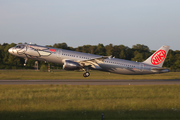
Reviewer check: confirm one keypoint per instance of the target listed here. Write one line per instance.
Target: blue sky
(80, 22)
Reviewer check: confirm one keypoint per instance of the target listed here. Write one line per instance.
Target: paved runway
(91, 82)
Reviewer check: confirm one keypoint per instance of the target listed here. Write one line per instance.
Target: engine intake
(70, 65)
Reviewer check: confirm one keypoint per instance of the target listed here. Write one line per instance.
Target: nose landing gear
(25, 61)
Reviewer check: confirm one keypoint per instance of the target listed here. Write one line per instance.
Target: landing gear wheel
(86, 74)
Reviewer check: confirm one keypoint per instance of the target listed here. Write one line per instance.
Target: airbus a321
(73, 60)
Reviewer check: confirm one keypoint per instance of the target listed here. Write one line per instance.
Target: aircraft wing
(93, 62)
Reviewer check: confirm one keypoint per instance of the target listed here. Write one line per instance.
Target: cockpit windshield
(19, 46)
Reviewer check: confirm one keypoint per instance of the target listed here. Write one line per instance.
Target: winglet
(158, 58)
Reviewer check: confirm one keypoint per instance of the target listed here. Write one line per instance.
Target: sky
(89, 22)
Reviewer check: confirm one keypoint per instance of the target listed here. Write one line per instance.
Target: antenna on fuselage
(110, 57)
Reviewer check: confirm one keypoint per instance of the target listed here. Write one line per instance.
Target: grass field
(86, 102)
(81, 102)
(34, 75)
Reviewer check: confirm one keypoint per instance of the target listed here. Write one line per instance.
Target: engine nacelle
(70, 65)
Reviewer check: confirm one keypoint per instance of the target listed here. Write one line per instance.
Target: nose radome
(10, 50)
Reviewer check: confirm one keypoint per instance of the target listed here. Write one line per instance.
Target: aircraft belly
(118, 69)
(124, 70)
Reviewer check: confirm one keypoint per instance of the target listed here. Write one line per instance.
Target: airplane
(73, 60)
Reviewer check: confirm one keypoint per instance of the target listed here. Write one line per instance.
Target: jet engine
(70, 65)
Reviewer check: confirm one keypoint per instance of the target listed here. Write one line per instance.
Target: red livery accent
(158, 57)
(53, 50)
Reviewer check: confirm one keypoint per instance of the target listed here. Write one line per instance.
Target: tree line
(137, 53)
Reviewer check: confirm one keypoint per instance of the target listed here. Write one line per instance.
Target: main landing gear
(86, 74)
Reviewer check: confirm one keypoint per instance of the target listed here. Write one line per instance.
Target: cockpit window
(19, 46)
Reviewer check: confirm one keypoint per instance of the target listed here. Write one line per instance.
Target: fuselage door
(59, 53)
(141, 67)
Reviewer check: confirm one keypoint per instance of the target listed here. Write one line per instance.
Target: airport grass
(88, 102)
(38, 75)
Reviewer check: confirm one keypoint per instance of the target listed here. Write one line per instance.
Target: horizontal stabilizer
(159, 68)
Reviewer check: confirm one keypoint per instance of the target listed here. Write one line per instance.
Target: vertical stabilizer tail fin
(158, 58)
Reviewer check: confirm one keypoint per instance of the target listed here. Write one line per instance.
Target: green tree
(100, 50)
(61, 45)
(116, 51)
(141, 48)
(141, 52)
(138, 57)
(109, 49)
(176, 65)
(43, 68)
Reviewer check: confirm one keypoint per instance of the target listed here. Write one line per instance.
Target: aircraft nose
(10, 50)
